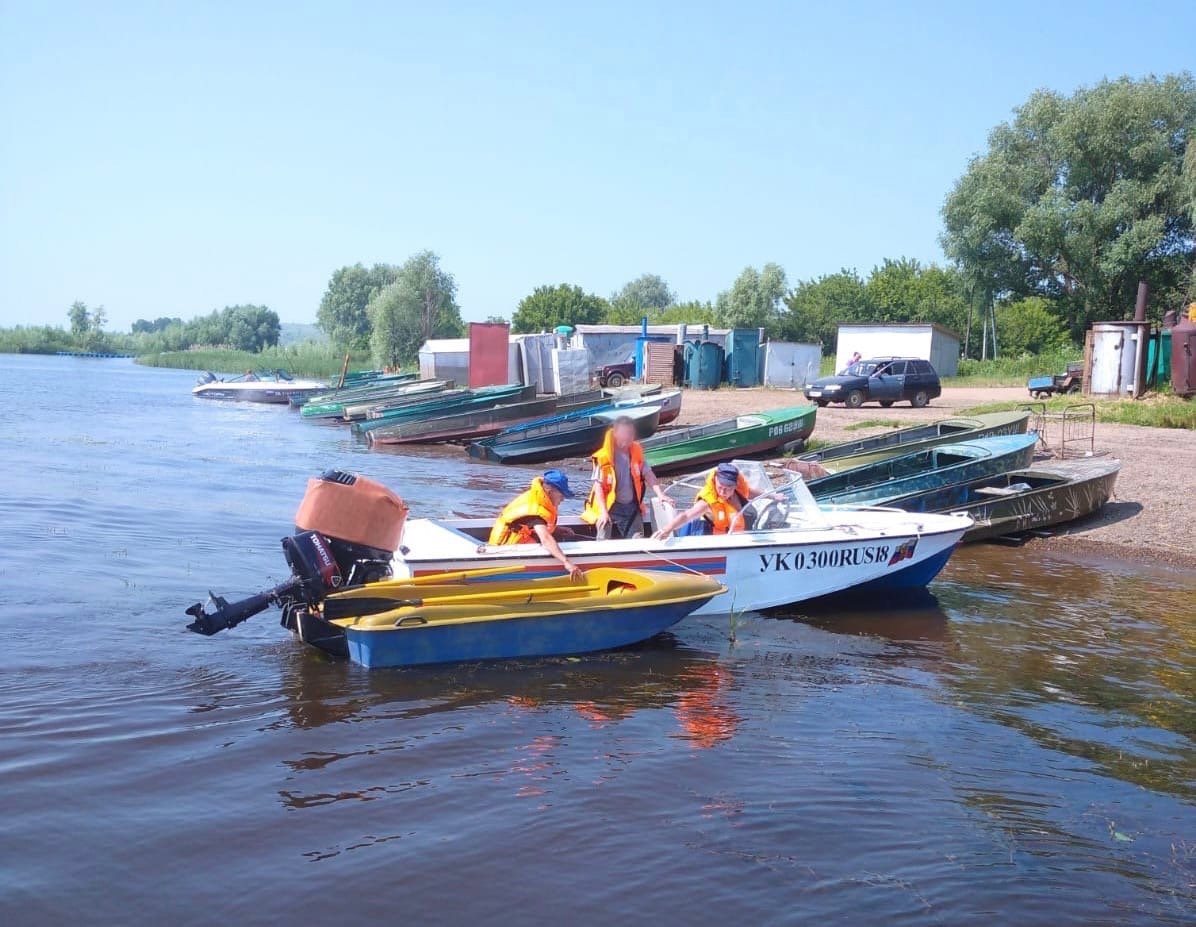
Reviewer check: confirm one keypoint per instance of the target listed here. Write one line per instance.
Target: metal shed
(926, 340)
(448, 359)
(789, 365)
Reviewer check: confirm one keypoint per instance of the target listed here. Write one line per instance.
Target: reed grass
(309, 359)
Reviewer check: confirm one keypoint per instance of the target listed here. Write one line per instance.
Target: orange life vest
(723, 515)
(604, 463)
(535, 503)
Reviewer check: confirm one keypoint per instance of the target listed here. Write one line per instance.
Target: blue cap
(727, 473)
(558, 481)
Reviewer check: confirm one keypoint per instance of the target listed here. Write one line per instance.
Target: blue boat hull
(912, 577)
(579, 632)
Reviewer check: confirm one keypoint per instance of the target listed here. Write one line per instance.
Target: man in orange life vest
(615, 506)
(720, 503)
(530, 518)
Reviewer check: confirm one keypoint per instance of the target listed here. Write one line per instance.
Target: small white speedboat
(796, 551)
(275, 388)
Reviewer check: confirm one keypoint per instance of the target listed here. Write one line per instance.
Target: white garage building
(926, 340)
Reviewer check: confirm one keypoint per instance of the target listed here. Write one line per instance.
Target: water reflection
(677, 691)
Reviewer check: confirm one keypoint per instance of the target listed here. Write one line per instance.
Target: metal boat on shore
(1045, 494)
(849, 454)
(557, 439)
(886, 481)
(742, 436)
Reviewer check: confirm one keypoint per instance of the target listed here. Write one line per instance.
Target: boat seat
(1015, 489)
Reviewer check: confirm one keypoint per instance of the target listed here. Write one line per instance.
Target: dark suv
(882, 379)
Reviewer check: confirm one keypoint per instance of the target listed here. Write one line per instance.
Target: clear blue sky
(171, 158)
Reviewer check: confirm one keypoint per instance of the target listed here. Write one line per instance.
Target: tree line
(242, 328)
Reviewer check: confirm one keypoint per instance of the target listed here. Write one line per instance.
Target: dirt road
(1152, 514)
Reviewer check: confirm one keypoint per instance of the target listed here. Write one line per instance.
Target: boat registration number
(788, 428)
(795, 560)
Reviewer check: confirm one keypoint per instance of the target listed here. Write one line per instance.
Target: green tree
(644, 294)
(814, 308)
(420, 305)
(80, 318)
(692, 313)
(1030, 326)
(1080, 197)
(343, 312)
(546, 307)
(905, 291)
(754, 299)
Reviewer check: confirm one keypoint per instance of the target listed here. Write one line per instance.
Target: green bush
(1030, 326)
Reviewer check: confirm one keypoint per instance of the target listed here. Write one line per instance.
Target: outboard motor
(348, 530)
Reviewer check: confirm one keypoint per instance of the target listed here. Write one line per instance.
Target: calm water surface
(1014, 747)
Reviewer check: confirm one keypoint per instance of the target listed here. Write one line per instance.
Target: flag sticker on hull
(904, 551)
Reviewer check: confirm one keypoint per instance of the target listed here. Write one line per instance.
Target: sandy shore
(1151, 516)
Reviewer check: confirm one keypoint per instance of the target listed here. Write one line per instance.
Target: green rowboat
(741, 436)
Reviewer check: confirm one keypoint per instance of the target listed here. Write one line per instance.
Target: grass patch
(309, 359)
(1011, 371)
(1165, 411)
(874, 423)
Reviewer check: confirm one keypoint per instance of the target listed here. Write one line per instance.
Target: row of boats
(874, 516)
(511, 424)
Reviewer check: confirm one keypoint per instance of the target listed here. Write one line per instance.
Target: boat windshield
(799, 505)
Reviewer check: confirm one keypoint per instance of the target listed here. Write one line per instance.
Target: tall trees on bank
(420, 304)
(1081, 196)
(343, 312)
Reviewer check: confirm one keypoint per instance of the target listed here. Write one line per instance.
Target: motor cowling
(348, 528)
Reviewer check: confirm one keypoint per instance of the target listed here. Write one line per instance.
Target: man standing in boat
(719, 505)
(531, 518)
(615, 506)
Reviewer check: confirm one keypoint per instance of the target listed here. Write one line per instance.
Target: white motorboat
(794, 552)
(275, 388)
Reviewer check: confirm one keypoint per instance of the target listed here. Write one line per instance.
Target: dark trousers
(626, 521)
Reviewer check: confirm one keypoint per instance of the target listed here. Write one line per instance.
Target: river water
(1016, 746)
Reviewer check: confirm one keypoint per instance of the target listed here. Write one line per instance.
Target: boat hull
(762, 433)
(886, 482)
(765, 569)
(1059, 493)
(852, 454)
(562, 439)
(269, 393)
(579, 632)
